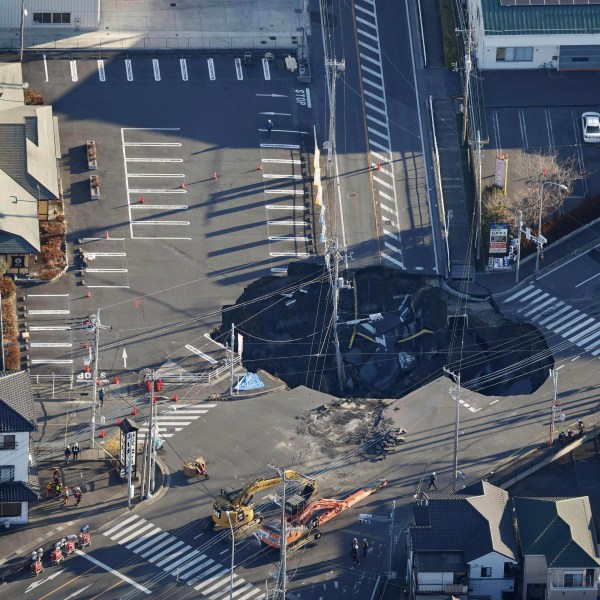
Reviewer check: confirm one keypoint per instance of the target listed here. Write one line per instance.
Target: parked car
(590, 125)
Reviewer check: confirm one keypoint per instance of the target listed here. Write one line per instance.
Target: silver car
(590, 126)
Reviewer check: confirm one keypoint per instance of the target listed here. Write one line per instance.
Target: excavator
(305, 516)
(234, 508)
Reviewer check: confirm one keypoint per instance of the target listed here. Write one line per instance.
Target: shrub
(33, 98)
(7, 287)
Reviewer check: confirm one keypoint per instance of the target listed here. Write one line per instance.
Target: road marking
(156, 69)
(281, 191)
(47, 295)
(93, 255)
(48, 312)
(141, 237)
(153, 144)
(50, 345)
(113, 572)
(273, 95)
(106, 270)
(211, 69)
(155, 160)
(42, 581)
(276, 254)
(285, 207)
(588, 279)
(184, 71)
(74, 76)
(109, 286)
(210, 359)
(370, 59)
(51, 328)
(308, 100)
(156, 191)
(273, 114)
(266, 70)
(46, 68)
(160, 206)
(282, 176)
(284, 161)
(178, 175)
(128, 69)
(101, 71)
(282, 146)
(282, 270)
(494, 401)
(160, 223)
(290, 223)
(44, 361)
(238, 69)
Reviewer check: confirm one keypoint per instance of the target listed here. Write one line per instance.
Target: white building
(524, 34)
(44, 15)
(19, 484)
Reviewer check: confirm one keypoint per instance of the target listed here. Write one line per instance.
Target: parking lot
(197, 198)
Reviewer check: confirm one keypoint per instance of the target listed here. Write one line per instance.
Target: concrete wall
(86, 11)
(535, 570)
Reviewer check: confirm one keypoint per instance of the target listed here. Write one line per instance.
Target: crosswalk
(557, 316)
(175, 419)
(209, 578)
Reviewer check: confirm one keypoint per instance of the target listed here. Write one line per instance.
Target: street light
(23, 15)
(232, 557)
(539, 235)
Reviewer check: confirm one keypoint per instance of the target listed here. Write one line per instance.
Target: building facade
(83, 15)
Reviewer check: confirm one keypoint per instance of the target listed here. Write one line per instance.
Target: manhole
(351, 195)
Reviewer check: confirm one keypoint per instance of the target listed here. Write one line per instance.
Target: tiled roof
(17, 491)
(539, 20)
(561, 529)
(476, 521)
(17, 409)
(437, 562)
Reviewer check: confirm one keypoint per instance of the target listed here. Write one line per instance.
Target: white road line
(588, 279)
(74, 76)
(169, 540)
(147, 537)
(187, 571)
(207, 572)
(141, 237)
(375, 108)
(286, 207)
(184, 71)
(282, 146)
(156, 69)
(173, 556)
(107, 254)
(540, 307)
(567, 307)
(372, 72)
(365, 22)
(157, 191)
(51, 328)
(381, 135)
(266, 70)
(50, 345)
(210, 359)
(178, 175)
(380, 146)
(278, 254)
(152, 144)
(47, 295)
(133, 535)
(308, 99)
(237, 581)
(211, 69)
(283, 238)
(368, 47)
(283, 161)
(393, 260)
(519, 294)
(172, 223)
(212, 579)
(290, 192)
(48, 312)
(238, 69)
(573, 329)
(217, 584)
(578, 338)
(570, 321)
(588, 339)
(282, 176)
(121, 524)
(158, 556)
(378, 122)
(113, 572)
(128, 69)
(287, 223)
(106, 270)
(160, 206)
(363, 9)
(155, 160)
(101, 71)
(367, 35)
(43, 361)
(122, 531)
(373, 60)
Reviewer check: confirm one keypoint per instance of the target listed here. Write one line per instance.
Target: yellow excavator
(234, 508)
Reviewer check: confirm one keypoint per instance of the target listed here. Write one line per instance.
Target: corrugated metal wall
(87, 11)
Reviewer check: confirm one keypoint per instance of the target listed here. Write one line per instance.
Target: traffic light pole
(95, 384)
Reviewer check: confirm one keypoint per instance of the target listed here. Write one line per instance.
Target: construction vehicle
(305, 517)
(234, 507)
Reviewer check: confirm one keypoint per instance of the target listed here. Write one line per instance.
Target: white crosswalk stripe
(175, 419)
(210, 579)
(559, 317)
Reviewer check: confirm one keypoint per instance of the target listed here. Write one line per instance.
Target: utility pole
(333, 68)
(282, 576)
(23, 13)
(456, 378)
(231, 365)
(152, 443)
(96, 374)
(232, 556)
(478, 232)
(554, 375)
(332, 253)
(467, 86)
(391, 538)
(520, 217)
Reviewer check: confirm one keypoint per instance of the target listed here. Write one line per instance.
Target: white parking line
(74, 76)
(50, 328)
(266, 70)
(155, 160)
(308, 100)
(290, 192)
(152, 144)
(44, 361)
(47, 295)
(285, 207)
(277, 254)
(156, 69)
(160, 206)
(290, 223)
(176, 223)
(178, 175)
(106, 270)
(211, 69)
(238, 69)
(286, 238)
(184, 71)
(284, 161)
(156, 191)
(128, 69)
(101, 71)
(48, 312)
(49, 345)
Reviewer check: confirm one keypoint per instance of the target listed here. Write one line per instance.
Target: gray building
(83, 15)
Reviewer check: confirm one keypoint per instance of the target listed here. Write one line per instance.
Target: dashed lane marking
(184, 70)
(128, 69)
(101, 71)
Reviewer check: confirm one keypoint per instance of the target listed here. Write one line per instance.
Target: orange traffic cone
(116, 380)
(86, 345)
(142, 200)
(260, 168)
(134, 411)
(183, 185)
(153, 398)
(174, 397)
(102, 433)
(87, 368)
(88, 294)
(379, 166)
(215, 176)
(118, 421)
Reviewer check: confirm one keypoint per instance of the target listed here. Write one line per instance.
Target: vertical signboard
(498, 238)
(501, 174)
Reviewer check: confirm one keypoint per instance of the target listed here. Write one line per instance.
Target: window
(52, 18)
(573, 579)
(10, 509)
(514, 54)
(486, 571)
(42, 17)
(7, 442)
(7, 474)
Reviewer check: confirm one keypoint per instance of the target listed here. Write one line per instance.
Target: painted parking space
(104, 263)
(49, 329)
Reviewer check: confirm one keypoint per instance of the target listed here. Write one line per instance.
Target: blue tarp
(250, 381)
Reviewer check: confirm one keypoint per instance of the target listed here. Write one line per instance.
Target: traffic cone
(183, 185)
(118, 421)
(98, 382)
(260, 168)
(142, 200)
(106, 235)
(116, 380)
(379, 166)
(88, 294)
(86, 345)
(102, 433)
(87, 368)
(215, 176)
(174, 397)
(153, 398)
(134, 411)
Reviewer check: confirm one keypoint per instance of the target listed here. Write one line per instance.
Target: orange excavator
(304, 517)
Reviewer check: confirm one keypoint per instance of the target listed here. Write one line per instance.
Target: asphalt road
(186, 218)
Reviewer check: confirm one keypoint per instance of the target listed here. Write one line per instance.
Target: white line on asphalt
(285, 207)
(373, 60)
(519, 293)
(273, 95)
(365, 45)
(143, 237)
(47, 295)
(156, 191)
(238, 69)
(48, 312)
(153, 144)
(365, 22)
(44, 361)
(284, 161)
(210, 359)
(180, 175)
(50, 345)
(267, 112)
(127, 190)
(113, 572)
(281, 176)
(266, 70)
(156, 69)
(283, 146)
(51, 328)
(276, 254)
(151, 128)
(381, 135)
(112, 239)
(110, 286)
(373, 107)
(378, 121)
(101, 71)
(588, 279)
(308, 100)
(393, 260)
(106, 270)
(211, 69)
(74, 76)
(93, 255)
(289, 223)
(46, 68)
(287, 131)
(160, 206)
(160, 222)
(290, 192)
(155, 160)
(184, 71)
(128, 69)
(282, 270)
(284, 238)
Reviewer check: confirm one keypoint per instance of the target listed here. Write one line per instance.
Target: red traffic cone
(183, 185)
(88, 294)
(116, 380)
(102, 433)
(260, 168)
(379, 166)
(174, 397)
(215, 176)
(118, 421)
(153, 398)
(134, 411)
(142, 200)
(106, 235)
(86, 345)
(87, 368)
(98, 382)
